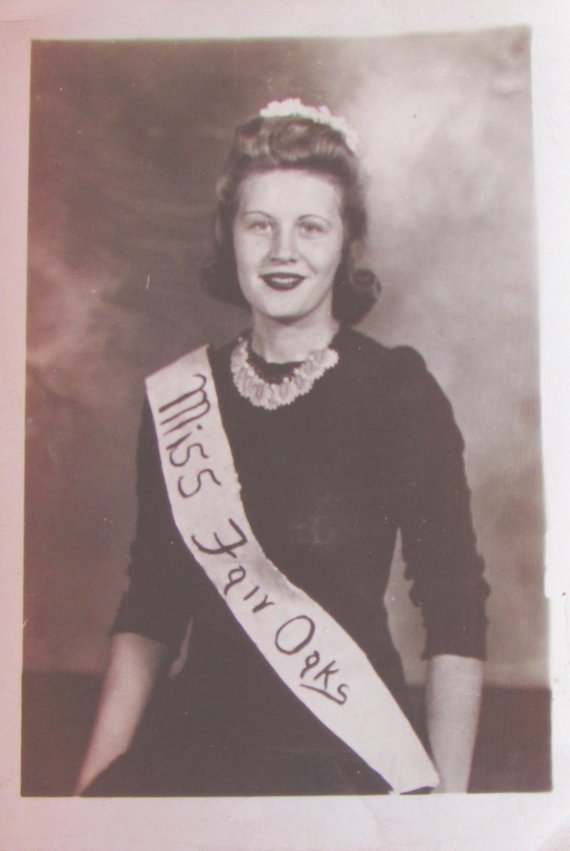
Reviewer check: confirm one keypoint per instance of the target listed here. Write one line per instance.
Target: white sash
(307, 648)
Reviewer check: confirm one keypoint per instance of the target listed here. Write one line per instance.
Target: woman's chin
(305, 320)
(293, 314)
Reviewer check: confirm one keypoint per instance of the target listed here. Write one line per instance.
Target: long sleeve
(163, 578)
(438, 541)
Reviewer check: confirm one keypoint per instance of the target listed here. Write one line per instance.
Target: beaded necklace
(297, 380)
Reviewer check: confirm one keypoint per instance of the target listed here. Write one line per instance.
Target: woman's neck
(276, 342)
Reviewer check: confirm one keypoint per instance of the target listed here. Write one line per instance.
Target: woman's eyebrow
(316, 216)
(256, 213)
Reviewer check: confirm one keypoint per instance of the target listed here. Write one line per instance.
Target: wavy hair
(293, 142)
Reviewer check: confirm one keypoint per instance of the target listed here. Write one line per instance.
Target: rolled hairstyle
(293, 142)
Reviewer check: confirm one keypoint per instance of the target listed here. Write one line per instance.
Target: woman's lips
(282, 280)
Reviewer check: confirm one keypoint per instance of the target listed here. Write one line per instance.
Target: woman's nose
(284, 245)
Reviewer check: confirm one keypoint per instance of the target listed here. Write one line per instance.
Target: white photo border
(506, 821)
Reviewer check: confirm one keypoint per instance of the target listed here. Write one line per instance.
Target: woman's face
(288, 240)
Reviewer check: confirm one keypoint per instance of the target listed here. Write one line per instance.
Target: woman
(336, 443)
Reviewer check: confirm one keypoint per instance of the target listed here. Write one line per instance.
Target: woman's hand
(454, 686)
(134, 667)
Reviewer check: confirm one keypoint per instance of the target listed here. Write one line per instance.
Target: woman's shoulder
(217, 353)
(399, 376)
(390, 361)
(220, 352)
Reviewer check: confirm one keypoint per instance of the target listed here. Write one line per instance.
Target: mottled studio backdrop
(126, 141)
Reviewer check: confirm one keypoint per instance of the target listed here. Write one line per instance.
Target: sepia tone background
(126, 142)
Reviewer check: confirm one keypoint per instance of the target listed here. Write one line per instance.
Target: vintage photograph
(284, 520)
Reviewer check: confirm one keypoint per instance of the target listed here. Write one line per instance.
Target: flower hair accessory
(318, 114)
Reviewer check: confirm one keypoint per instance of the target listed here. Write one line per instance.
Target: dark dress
(327, 483)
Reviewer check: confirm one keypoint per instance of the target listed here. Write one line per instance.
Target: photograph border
(489, 821)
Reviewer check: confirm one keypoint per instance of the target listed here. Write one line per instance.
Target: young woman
(323, 444)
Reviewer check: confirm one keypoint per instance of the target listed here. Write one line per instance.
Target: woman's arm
(439, 548)
(134, 666)
(454, 686)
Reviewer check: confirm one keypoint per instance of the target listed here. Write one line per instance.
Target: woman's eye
(259, 225)
(312, 228)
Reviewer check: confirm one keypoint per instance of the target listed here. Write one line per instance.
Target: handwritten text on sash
(187, 450)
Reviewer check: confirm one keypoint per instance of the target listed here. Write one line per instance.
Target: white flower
(318, 114)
